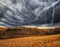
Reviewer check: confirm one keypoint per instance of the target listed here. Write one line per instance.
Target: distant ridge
(38, 27)
(27, 31)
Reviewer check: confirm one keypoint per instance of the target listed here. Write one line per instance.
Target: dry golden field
(29, 37)
(25, 32)
(36, 41)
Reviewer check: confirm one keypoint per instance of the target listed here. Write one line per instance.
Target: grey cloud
(15, 13)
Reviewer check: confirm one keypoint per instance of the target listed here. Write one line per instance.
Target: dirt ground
(32, 41)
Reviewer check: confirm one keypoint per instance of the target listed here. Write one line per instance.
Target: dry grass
(3, 29)
(37, 41)
(30, 37)
(23, 31)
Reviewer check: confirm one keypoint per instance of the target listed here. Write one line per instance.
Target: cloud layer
(15, 13)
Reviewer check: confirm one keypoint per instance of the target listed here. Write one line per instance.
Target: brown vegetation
(29, 37)
(3, 29)
(23, 31)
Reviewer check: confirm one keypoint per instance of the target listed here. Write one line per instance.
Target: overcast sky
(15, 13)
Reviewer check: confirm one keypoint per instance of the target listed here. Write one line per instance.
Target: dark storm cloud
(26, 12)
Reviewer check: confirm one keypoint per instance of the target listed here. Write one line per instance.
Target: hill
(24, 31)
(29, 37)
(37, 41)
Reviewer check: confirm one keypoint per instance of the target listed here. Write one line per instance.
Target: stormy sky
(15, 13)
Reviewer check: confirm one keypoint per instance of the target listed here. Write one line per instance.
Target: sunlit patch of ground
(36, 41)
(29, 37)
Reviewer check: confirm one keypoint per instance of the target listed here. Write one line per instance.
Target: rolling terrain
(37, 41)
(29, 37)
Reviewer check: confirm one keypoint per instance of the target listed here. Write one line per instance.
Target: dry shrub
(23, 31)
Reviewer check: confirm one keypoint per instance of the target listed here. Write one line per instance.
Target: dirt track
(36, 41)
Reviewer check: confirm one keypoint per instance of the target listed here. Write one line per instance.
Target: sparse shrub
(23, 31)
